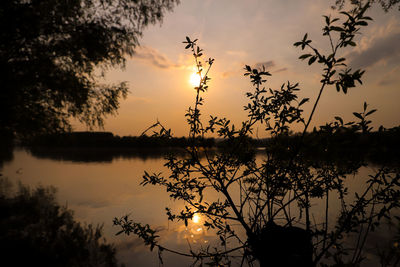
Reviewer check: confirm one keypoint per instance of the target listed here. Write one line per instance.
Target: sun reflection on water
(195, 232)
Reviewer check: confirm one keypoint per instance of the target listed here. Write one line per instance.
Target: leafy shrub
(264, 211)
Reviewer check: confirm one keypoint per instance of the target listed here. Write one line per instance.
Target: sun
(194, 79)
(196, 218)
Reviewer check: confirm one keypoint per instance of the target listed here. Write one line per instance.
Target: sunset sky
(252, 32)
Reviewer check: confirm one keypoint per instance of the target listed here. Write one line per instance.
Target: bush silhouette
(264, 210)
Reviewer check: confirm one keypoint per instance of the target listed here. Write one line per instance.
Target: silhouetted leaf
(362, 23)
(304, 100)
(327, 20)
(337, 29)
(358, 115)
(312, 60)
(370, 112)
(305, 56)
(339, 119)
(337, 87)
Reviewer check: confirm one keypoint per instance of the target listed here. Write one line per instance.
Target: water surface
(99, 186)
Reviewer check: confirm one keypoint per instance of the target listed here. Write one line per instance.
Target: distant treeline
(377, 146)
(346, 142)
(109, 140)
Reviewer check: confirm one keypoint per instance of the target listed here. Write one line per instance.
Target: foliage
(36, 231)
(52, 54)
(265, 208)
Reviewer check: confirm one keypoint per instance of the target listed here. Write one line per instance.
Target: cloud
(270, 65)
(267, 64)
(236, 53)
(390, 77)
(154, 58)
(281, 70)
(227, 74)
(381, 51)
(94, 204)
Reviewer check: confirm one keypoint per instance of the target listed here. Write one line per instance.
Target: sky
(253, 32)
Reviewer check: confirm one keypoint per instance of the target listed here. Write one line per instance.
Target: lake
(99, 186)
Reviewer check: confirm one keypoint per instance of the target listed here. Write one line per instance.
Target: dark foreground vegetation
(36, 231)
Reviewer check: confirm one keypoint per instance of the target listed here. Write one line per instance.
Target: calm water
(101, 188)
(98, 188)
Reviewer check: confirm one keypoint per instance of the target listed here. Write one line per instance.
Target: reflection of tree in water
(36, 231)
(104, 155)
(6, 149)
(104, 146)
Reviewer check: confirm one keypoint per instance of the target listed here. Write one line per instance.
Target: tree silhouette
(53, 52)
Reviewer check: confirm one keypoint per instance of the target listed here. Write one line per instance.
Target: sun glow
(194, 79)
